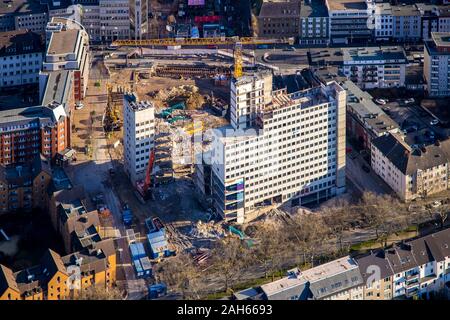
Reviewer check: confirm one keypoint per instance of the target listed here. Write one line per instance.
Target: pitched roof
(280, 9)
(53, 262)
(7, 280)
(409, 160)
(20, 42)
(401, 257)
(378, 259)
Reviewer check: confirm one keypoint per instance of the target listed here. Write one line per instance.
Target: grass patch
(97, 84)
(365, 245)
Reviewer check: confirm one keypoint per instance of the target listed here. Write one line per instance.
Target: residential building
(24, 186)
(279, 19)
(383, 30)
(377, 275)
(365, 120)
(280, 148)
(28, 15)
(336, 280)
(406, 23)
(27, 132)
(314, 23)
(436, 67)
(68, 49)
(59, 278)
(21, 55)
(351, 21)
(138, 137)
(417, 268)
(375, 67)
(411, 172)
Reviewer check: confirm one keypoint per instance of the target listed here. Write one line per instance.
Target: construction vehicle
(143, 186)
(112, 116)
(236, 42)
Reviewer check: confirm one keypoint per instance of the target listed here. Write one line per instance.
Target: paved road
(362, 180)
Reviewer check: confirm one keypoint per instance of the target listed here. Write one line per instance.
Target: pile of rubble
(207, 230)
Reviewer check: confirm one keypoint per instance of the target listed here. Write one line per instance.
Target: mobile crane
(143, 186)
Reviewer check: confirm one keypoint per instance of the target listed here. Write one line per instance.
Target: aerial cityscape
(233, 150)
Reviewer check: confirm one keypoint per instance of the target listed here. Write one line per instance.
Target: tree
(97, 292)
(268, 252)
(229, 259)
(180, 274)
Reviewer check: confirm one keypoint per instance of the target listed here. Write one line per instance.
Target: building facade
(138, 138)
(23, 15)
(406, 23)
(21, 56)
(436, 65)
(373, 67)
(253, 164)
(350, 21)
(279, 19)
(383, 30)
(314, 23)
(410, 172)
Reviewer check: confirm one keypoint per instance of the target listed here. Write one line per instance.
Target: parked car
(434, 122)
(409, 101)
(381, 101)
(79, 106)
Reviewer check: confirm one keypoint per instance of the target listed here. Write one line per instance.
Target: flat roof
(346, 4)
(405, 10)
(63, 42)
(313, 8)
(56, 87)
(441, 39)
(374, 53)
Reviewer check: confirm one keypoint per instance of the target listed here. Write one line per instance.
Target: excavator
(143, 186)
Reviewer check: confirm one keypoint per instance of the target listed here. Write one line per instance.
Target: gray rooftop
(374, 53)
(405, 10)
(57, 87)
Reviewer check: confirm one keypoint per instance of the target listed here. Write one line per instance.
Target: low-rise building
(279, 19)
(21, 55)
(138, 138)
(59, 278)
(375, 67)
(436, 66)
(336, 280)
(314, 23)
(411, 172)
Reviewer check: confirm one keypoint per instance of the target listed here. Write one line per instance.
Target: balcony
(412, 284)
(412, 276)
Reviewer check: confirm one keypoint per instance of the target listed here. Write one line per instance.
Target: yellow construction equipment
(194, 127)
(201, 41)
(237, 42)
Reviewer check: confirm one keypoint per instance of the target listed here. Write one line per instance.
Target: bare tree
(230, 256)
(98, 292)
(180, 274)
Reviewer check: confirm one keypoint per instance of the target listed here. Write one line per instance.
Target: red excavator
(143, 186)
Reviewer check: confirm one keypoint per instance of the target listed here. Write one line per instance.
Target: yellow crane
(236, 42)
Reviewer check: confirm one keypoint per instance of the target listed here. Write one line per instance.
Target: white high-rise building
(138, 135)
(280, 148)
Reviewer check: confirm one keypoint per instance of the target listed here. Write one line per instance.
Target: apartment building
(406, 23)
(138, 138)
(351, 21)
(411, 172)
(24, 186)
(279, 19)
(59, 278)
(337, 280)
(436, 67)
(373, 67)
(21, 55)
(280, 148)
(365, 120)
(68, 49)
(383, 30)
(314, 23)
(377, 275)
(417, 268)
(23, 15)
